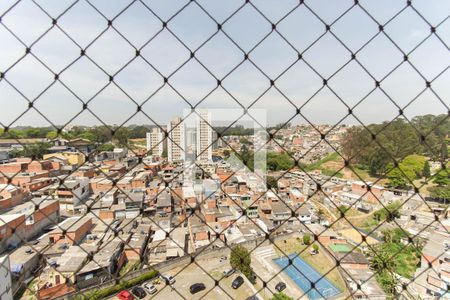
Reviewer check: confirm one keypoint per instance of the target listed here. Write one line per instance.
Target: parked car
(125, 295)
(197, 287)
(228, 273)
(237, 282)
(252, 278)
(150, 288)
(280, 286)
(168, 279)
(254, 297)
(138, 292)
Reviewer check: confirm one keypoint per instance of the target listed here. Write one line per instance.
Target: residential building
(73, 158)
(5, 282)
(27, 220)
(204, 136)
(71, 231)
(433, 277)
(176, 140)
(71, 192)
(155, 140)
(11, 195)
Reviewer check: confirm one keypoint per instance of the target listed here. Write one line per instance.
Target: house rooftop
(352, 258)
(70, 224)
(73, 258)
(164, 199)
(102, 258)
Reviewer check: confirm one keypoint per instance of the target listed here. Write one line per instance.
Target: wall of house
(13, 167)
(430, 259)
(10, 202)
(72, 237)
(132, 254)
(106, 214)
(7, 236)
(73, 158)
(354, 266)
(42, 218)
(55, 291)
(37, 185)
(5, 282)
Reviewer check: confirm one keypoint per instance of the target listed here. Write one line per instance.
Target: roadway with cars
(194, 274)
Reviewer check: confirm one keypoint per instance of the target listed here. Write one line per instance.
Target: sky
(298, 83)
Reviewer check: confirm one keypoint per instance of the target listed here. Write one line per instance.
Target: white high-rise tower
(175, 143)
(204, 136)
(155, 140)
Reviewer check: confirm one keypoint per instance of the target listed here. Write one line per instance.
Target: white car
(150, 288)
(168, 279)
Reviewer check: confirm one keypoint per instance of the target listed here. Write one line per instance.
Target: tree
(389, 212)
(320, 214)
(226, 153)
(378, 163)
(88, 135)
(34, 151)
(343, 209)
(442, 177)
(440, 192)
(247, 157)
(315, 248)
(240, 260)
(415, 163)
(444, 151)
(281, 296)
(51, 135)
(380, 259)
(306, 239)
(279, 161)
(138, 132)
(244, 141)
(426, 172)
(387, 281)
(122, 135)
(271, 182)
(102, 134)
(400, 177)
(375, 145)
(106, 147)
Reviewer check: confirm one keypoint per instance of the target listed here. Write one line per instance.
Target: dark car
(138, 292)
(252, 278)
(280, 286)
(197, 287)
(237, 282)
(254, 297)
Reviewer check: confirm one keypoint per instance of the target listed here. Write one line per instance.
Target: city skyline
(220, 55)
(238, 149)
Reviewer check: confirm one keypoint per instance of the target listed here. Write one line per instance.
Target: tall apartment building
(155, 140)
(204, 136)
(176, 140)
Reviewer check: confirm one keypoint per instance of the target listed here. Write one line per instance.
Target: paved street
(193, 274)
